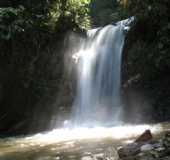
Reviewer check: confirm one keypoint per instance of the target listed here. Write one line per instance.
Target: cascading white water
(98, 100)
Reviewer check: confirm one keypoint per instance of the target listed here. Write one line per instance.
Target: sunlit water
(71, 143)
(98, 60)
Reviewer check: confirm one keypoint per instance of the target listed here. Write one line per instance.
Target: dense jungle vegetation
(32, 41)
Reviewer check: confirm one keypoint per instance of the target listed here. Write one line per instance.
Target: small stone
(99, 156)
(146, 147)
(160, 149)
(158, 144)
(111, 154)
(87, 158)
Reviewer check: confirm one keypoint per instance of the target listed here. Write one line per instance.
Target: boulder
(129, 150)
(145, 149)
(144, 137)
(141, 143)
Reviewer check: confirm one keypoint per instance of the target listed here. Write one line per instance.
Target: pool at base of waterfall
(76, 143)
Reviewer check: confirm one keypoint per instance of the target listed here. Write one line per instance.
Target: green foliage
(10, 21)
(49, 15)
(74, 11)
(80, 10)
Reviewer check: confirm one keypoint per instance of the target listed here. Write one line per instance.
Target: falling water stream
(98, 100)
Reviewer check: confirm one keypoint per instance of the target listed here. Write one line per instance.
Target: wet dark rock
(129, 150)
(140, 143)
(166, 139)
(147, 150)
(145, 157)
(146, 136)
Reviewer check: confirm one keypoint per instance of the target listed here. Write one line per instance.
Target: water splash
(98, 100)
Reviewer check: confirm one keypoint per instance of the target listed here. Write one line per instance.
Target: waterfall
(98, 99)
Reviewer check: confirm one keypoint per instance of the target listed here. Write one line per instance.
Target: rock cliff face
(33, 85)
(144, 79)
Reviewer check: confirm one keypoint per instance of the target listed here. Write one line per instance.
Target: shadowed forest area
(37, 84)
